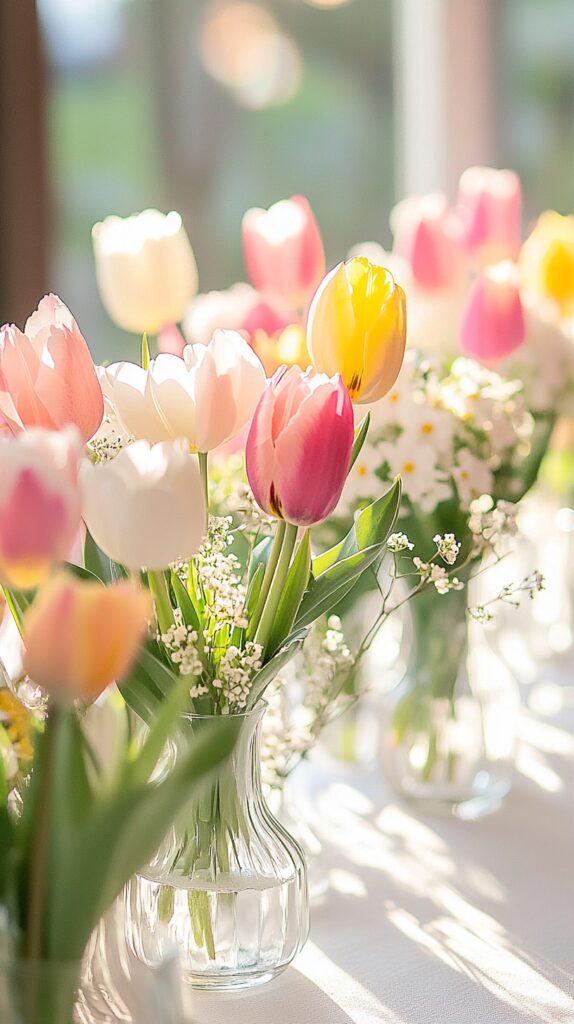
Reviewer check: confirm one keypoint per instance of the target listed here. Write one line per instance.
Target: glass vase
(108, 986)
(449, 727)
(229, 883)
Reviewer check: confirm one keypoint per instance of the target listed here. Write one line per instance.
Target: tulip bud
(145, 268)
(39, 504)
(547, 261)
(81, 636)
(299, 445)
(357, 327)
(490, 204)
(47, 377)
(145, 508)
(283, 250)
(207, 396)
(287, 348)
(493, 323)
(427, 235)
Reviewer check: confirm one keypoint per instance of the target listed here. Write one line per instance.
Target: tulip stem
(163, 608)
(39, 848)
(202, 456)
(268, 577)
(289, 540)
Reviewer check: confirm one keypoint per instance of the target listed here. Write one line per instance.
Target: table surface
(437, 921)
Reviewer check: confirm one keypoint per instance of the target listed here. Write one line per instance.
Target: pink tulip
(299, 445)
(283, 250)
(493, 322)
(267, 317)
(39, 503)
(171, 340)
(490, 204)
(427, 235)
(47, 377)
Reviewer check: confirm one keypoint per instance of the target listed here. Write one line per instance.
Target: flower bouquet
(232, 602)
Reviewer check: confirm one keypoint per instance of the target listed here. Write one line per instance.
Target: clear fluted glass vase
(229, 883)
(449, 727)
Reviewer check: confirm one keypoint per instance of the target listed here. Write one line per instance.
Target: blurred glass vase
(449, 727)
(229, 883)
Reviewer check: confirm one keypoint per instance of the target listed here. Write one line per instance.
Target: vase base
(231, 982)
(470, 808)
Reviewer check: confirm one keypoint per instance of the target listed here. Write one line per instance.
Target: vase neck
(439, 640)
(244, 762)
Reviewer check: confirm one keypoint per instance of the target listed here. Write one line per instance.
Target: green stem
(40, 842)
(268, 577)
(202, 456)
(276, 589)
(164, 611)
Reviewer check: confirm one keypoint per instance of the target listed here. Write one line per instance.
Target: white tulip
(145, 508)
(145, 268)
(206, 397)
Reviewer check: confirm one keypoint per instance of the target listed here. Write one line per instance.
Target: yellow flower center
(362, 470)
(408, 467)
(426, 428)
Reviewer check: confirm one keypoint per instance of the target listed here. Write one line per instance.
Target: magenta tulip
(493, 321)
(283, 250)
(490, 205)
(299, 445)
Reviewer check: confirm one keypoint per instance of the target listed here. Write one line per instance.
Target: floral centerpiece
(232, 602)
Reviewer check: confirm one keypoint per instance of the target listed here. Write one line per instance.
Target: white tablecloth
(436, 921)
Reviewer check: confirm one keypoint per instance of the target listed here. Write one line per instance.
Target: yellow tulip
(357, 327)
(81, 636)
(547, 261)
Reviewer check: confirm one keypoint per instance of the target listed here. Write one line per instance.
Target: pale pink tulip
(47, 377)
(39, 503)
(81, 636)
(490, 205)
(299, 445)
(206, 397)
(427, 234)
(283, 250)
(493, 323)
(171, 340)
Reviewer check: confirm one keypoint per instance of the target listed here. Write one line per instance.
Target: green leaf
(145, 352)
(147, 685)
(295, 587)
(286, 652)
(141, 766)
(95, 560)
(254, 590)
(372, 526)
(185, 603)
(82, 574)
(360, 438)
(329, 588)
(260, 555)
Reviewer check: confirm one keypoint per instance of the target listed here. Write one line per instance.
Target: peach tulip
(145, 508)
(206, 397)
(299, 445)
(47, 377)
(357, 327)
(81, 636)
(283, 250)
(490, 204)
(427, 235)
(493, 323)
(39, 503)
(145, 268)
